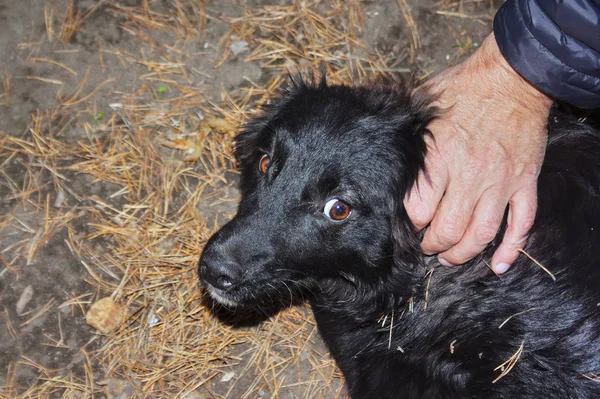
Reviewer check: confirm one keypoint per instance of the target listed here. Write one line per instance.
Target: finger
(422, 200)
(521, 214)
(451, 219)
(482, 229)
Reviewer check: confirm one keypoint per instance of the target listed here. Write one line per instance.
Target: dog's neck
(367, 301)
(408, 287)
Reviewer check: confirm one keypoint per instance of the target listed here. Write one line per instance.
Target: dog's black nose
(220, 274)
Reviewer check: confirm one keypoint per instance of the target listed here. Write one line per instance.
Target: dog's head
(323, 175)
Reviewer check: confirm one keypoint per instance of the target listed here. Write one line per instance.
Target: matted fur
(441, 337)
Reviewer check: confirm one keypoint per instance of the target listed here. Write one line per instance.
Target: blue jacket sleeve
(555, 45)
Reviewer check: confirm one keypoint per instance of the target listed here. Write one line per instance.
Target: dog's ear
(406, 244)
(253, 134)
(413, 149)
(248, 139)
(256, 132)
(411, 140)
(421, 109)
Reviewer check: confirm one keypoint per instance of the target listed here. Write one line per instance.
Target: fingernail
(501, 268)
(444, 262)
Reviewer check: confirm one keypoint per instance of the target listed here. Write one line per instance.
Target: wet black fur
(365, 146)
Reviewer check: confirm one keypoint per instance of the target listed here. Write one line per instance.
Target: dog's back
(396, 325)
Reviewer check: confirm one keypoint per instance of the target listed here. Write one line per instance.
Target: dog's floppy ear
(406, 244)
(250, 136)
(412, 147)
(408, 266)
(411, 140)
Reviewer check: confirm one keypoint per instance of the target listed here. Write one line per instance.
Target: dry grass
(508, 365)
(592, 377)
(538, 264)
(296, 38)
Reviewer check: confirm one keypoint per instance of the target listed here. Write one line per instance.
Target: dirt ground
(65, 70)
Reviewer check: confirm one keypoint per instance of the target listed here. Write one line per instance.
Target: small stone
(153, 319)
(117, 389)
(24, 299)
(105, 315)
(227, 376)
(238, 47)
(60, 197)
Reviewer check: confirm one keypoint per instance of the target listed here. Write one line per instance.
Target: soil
(55, 275)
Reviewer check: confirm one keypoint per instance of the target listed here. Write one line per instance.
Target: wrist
(530, 96)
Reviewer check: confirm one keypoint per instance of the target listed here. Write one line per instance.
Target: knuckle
(486, 232)
(461, 253)
(524, 224)
(420, 214)
(449, 233)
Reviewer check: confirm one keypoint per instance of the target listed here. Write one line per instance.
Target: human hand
(486, 153)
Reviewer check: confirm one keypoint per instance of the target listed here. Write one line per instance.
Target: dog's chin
(220, 297)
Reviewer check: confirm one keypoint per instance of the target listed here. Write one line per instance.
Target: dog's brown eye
(337, 210)
(264, 164)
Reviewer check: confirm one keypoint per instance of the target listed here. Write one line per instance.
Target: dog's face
(322, 183)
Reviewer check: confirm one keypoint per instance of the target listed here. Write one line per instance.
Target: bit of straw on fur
(538, 263)
(508, 365)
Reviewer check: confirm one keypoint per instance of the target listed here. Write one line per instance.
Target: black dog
(323, 174)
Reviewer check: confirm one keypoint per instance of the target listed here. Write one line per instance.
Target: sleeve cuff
(537, 64)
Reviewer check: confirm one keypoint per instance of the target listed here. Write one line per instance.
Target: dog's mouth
(220, 296)
(250, 293)
(236, 296)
